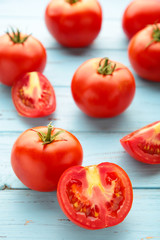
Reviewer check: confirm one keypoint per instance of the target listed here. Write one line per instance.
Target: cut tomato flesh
(33, 95)
(144, 144)
(98, 198)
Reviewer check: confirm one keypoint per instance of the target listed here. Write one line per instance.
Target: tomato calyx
(16, 37)
(48, 138)
(72, 1)
(107, 68)
(155, 35)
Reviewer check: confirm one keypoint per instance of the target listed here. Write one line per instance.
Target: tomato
(40, 155)
(95, 197)
(74, 23)
(139, 14)
(103, 88)
(144, 53)
(144, 144)
(33, 95)
(19, 54)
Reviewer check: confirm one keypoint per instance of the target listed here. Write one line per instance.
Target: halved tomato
(33, 95)
(95, 197)
(144, 143)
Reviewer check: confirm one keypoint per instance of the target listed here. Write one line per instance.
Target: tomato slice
(33, 95)
(144, 144)
(95, 197)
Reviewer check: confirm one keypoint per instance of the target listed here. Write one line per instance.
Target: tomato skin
(98, 190)
(139, 14)
(33, 95)
(100, 95)
(39, 166)
(143, 144)
(145, 59)
(74, 25)
(17, 58)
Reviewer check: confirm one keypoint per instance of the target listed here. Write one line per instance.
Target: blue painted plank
(29, 20)
(33, 215)
(26, 214)
(36, 8)
(142, 111)
(103, 41)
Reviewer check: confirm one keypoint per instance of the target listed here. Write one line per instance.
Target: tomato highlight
(96, 196)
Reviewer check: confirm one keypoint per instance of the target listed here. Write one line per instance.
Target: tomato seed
(80, 202)
(117, 198)
(146, 148)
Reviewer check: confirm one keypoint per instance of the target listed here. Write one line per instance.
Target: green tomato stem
(16, 37)
(155, 35)
(106, 68)
(72, 1)
(48, 138)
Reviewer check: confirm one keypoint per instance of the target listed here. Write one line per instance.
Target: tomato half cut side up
(33, 95)
(144, 144)
(96, 196)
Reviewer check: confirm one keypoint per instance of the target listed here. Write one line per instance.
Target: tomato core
(113, 196)
(33, 94)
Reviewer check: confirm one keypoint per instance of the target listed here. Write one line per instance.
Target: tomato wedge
(33, 95)
(144, 143)
(95, 197)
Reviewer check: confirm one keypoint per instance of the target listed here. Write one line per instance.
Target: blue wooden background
(25, 214)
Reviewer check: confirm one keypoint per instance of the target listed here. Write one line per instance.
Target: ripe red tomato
(144, 53)
(40, 155)
(95, 197)
(19, 54)
(74, 23)
(33, 95)
(103, 88)
(144, 144)
(139, 14)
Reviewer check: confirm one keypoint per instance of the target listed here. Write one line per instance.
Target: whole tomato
(95, 197)
(103, 88)
(144, 143)
(41, 154)
(19, 53)
(139, 14)
(33, 95)
(74, 23)
(144, 53)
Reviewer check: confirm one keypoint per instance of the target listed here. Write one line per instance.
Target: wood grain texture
(34, 215)
(142, 111)
(25, 214)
